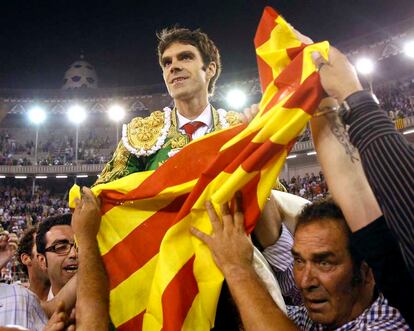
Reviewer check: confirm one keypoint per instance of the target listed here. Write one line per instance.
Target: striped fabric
(387, 158)
(19, 306)
(279, 255)
(160, 276)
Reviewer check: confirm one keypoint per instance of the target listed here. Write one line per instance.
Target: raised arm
(386, 156)
(342, 168)
(92, 306)
(232, 251)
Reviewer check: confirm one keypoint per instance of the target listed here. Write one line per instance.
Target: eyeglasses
(61, 247)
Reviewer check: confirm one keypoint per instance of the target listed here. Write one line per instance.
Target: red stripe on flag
(286, 82)
(141, 245)
(134, 324)
(265, 73)
(266, 25)
(110, 199)
(250, 204)
(178, 297)
(295, 51)
(261, 156)
(308, 95)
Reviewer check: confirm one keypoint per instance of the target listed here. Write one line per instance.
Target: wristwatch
(354, 100)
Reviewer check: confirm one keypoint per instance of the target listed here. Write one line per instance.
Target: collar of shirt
(50, 295)
(380, 314)
(206, 117)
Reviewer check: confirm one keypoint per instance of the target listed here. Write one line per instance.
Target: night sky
(40, 39)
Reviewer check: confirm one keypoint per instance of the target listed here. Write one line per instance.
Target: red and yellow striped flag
(161, 277)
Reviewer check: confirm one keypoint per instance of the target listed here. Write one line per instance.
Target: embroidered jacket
(147, 142)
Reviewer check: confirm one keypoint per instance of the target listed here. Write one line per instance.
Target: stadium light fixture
(409, 48)
(292, 156)
(37, 115)
(311, 153)
(236, 98)
(81, 176)
(2, 176)
(116, 113)
(61, 176)
(20, 177)
(41, 177)
(76, 114)
(365, 66)
(408, 131)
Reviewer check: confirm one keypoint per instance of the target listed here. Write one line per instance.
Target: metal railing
(58, 169)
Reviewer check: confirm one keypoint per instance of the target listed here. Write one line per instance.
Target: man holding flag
(167, 276)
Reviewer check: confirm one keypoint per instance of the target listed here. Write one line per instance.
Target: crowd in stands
(55, 150)
(397, 99)
(311, 187)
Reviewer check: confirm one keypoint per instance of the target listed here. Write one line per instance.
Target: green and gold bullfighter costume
(147, 142)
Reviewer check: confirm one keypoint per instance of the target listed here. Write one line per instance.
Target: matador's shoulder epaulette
(233, 118)
(145, 135)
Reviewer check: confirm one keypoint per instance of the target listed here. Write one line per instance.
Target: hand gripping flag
(161, 277)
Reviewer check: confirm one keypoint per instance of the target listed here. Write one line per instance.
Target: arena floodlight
(41, 177)
(116, 113)
(61, 176)
(365, 66)
(410, 131)
(292, 156)
(236, 98)
(311, 153)
(409, 48)
(20, 177)
(76, 114)
(2, 176)
(37, 115)
(81, 176)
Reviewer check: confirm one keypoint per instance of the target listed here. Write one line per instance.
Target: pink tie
(192, 127)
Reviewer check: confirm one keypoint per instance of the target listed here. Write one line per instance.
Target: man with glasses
(58, 254)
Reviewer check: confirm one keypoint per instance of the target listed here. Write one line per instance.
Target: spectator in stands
(57, 251)
(27, 255)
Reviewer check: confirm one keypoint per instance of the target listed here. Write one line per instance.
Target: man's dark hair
(326, 210)
(208, 50)
(25, 246)
(46, 225)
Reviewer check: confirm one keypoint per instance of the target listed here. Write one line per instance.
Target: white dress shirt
(206, 117)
